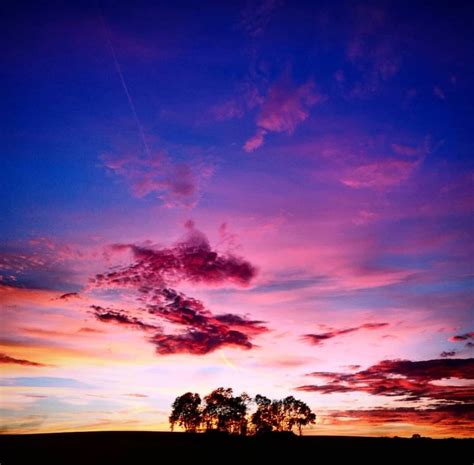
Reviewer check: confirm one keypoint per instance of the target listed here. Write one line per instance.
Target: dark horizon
(137, 446)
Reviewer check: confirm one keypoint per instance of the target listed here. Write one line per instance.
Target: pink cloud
(286, 107)
(283, 109)
(380, 174)
(255, 141)
(176, 184)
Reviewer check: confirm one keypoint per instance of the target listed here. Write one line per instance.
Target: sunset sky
(271, 196)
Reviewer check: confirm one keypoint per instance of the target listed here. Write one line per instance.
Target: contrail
(124, 84)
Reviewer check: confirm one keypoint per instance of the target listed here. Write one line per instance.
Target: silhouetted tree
(215, 412)
(186, 412)
(263, 418)
(281, 415)
(226, 413)
(238, 411)
(296, 413)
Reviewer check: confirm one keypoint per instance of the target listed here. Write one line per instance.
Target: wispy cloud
(380, 174)
(174, 183)
(372, 50)
(318, 339)
(6, 359)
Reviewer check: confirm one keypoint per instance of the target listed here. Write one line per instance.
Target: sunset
(272, 197)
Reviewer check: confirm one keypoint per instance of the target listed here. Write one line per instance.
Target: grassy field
(154, 448)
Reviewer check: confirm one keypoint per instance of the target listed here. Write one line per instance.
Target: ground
(151, 447)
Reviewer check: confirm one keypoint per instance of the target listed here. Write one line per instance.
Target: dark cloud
(120, 317)
(6, 359)
(407, 379)
(200, 342)
(430, 369)
(238, 322)
(205, 332)
(353, 367)
(447, 354)
(462, 337)
(192, 260)
(178, 308)
(89, 330)
(318, 339)
(69, 295)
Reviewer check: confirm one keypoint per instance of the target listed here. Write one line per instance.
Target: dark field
(149, 447)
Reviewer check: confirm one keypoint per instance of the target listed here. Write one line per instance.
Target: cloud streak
(380, 174)
(403, 378)
(6, 359)
(318, 339)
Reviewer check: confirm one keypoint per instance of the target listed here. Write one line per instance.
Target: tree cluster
(222, 411)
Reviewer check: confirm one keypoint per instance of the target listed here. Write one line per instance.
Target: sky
(271, 196)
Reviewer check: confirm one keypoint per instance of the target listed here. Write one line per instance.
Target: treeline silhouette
(223, 412)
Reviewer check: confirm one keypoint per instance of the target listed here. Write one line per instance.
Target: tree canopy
(222, 411)
(186, 412)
